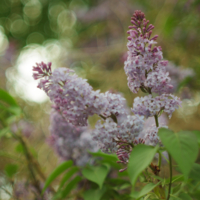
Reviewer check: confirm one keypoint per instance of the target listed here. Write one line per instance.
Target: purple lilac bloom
(25, 190)
(149, 106)
(75, 97)
(109, 134)
(117, 132)
(69, 141)
(144, 66)
(23, 127)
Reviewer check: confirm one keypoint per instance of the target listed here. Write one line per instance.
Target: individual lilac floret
(109, 134)
(70, 142)
(149, 106)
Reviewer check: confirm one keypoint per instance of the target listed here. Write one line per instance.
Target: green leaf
(70, 186)
(105, 156)
(94, 194)
(140, 158)
(184, 196)
(19, 148)
(60, 169)
(177, 178)
(14, 110)
(11, 169)
(4, 131)
(68, 175)
(177, 188)
(197, 133)
(182, 146)
(145, 190)
(195, 172)
(7, 98)
(96, 174)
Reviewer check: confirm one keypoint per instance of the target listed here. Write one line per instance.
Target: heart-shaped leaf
(197, 133)
(182, 146)
(96, 174)
(140, 158)
(195, 172)
(94, 194)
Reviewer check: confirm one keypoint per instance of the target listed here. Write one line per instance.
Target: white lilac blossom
(109, 134)
(148, 106)
(69, 141)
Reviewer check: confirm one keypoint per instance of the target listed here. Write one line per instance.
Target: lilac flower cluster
(69, 141)
(149, 106)
(75, 97)
(118, 131)
(146, 70)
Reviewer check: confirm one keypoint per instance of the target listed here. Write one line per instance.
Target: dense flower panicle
(109, 134)
(69, 141)
(144, 67)
(76, 99)
(148, 106)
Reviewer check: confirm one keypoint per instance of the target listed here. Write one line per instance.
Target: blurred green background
(90, 37)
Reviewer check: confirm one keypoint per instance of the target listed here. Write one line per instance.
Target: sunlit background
(90, 37)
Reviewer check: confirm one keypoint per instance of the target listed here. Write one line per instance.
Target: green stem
(159, 159)
(170, 180)
(156, 120)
